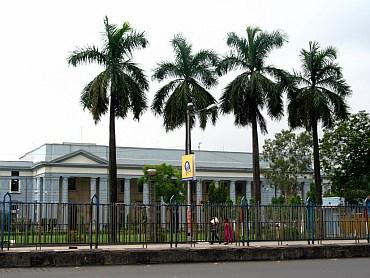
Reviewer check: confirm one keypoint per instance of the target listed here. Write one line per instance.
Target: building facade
(73, 173)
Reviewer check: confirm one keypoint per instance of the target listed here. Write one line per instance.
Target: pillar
(64, 206)
(199, 200)
(127, 192)
(232, 192)
(145, 194)
(92, 187)
(217, 184)
(127, 197)
(248, 190)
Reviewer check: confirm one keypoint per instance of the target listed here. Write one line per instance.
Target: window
(14, 182)
(14, 185)
(140, 188)
(71, 184)
(15, 173)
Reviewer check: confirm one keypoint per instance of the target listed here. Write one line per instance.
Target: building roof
(133, 156)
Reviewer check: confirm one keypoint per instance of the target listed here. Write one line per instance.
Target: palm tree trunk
(316, 164)
(112, 156)
(256, 162)
(112, 171)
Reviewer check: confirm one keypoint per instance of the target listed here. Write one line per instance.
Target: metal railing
(94, 224)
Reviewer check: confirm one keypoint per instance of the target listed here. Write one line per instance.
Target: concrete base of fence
(179, 255)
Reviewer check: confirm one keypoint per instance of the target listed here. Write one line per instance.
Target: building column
(64, 206)
(199, 199)
(217, 184)
(248, 190)
(127, 192)
(145, 193)
(127, 198)
(232, 192)
(92, 187)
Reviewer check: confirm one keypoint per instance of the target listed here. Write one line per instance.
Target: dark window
(71, 184)
(14, 185)
(140, 188)
(122, 185)
(15, 173)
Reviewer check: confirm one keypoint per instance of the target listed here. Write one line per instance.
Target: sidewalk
(198, 245)
(184, 253)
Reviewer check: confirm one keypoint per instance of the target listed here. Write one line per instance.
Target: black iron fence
(94, 224)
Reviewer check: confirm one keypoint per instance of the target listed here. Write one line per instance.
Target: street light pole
(189, 112)
(189, 109)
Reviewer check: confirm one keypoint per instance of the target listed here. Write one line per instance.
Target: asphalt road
(334, 268)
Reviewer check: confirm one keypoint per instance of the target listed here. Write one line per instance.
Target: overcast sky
(40, 93)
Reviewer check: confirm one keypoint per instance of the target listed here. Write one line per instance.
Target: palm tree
(119, 88)
(255, 88)
(192, 75)
(317, 95)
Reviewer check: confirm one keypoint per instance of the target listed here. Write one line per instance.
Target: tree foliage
(345, 151)
(192, 75)
(289, 157)
(167, 181)
(317, 94)
(218, 195)
(255, 88)
(120, 88)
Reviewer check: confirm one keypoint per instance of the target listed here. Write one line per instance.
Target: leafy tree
(119, 88)
(218, 195)
(317, 95)
(167, 181)
(345, 151)
(192, 75)
(255, 88)
(289, 156)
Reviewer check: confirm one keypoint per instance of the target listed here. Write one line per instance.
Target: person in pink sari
(228, 234)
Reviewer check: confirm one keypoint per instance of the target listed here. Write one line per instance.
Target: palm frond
(86, 55)
(94, 96)
(201, 99)
(130, 95)
(137, 74)
(166, 70)
(229, 63)
(162, 94)
(133, 41)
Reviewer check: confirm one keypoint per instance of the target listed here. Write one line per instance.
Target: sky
(39, 93)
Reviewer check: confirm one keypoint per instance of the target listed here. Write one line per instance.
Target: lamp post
(190, 111)
(152, 219)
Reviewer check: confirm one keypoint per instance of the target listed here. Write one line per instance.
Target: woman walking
(228, 234)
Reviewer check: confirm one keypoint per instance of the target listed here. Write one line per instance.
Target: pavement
(202, 252)
(198, 245)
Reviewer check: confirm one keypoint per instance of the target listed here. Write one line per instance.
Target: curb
(179, 255)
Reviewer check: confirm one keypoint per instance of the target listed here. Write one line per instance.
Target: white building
(71, 172)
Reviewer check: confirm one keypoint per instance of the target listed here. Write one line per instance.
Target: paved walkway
(199, 245)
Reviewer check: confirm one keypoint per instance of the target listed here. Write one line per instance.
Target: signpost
(188, 174)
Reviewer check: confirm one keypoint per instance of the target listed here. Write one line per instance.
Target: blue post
(7, 195)
(245, 211)
(94, 201)
(367, 212)
(310, 220)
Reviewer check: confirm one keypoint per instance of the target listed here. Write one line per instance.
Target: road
(333, 268)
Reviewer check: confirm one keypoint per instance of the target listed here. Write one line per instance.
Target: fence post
(94, 201)
(310, 220)
(7, 195)
(171, 219)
